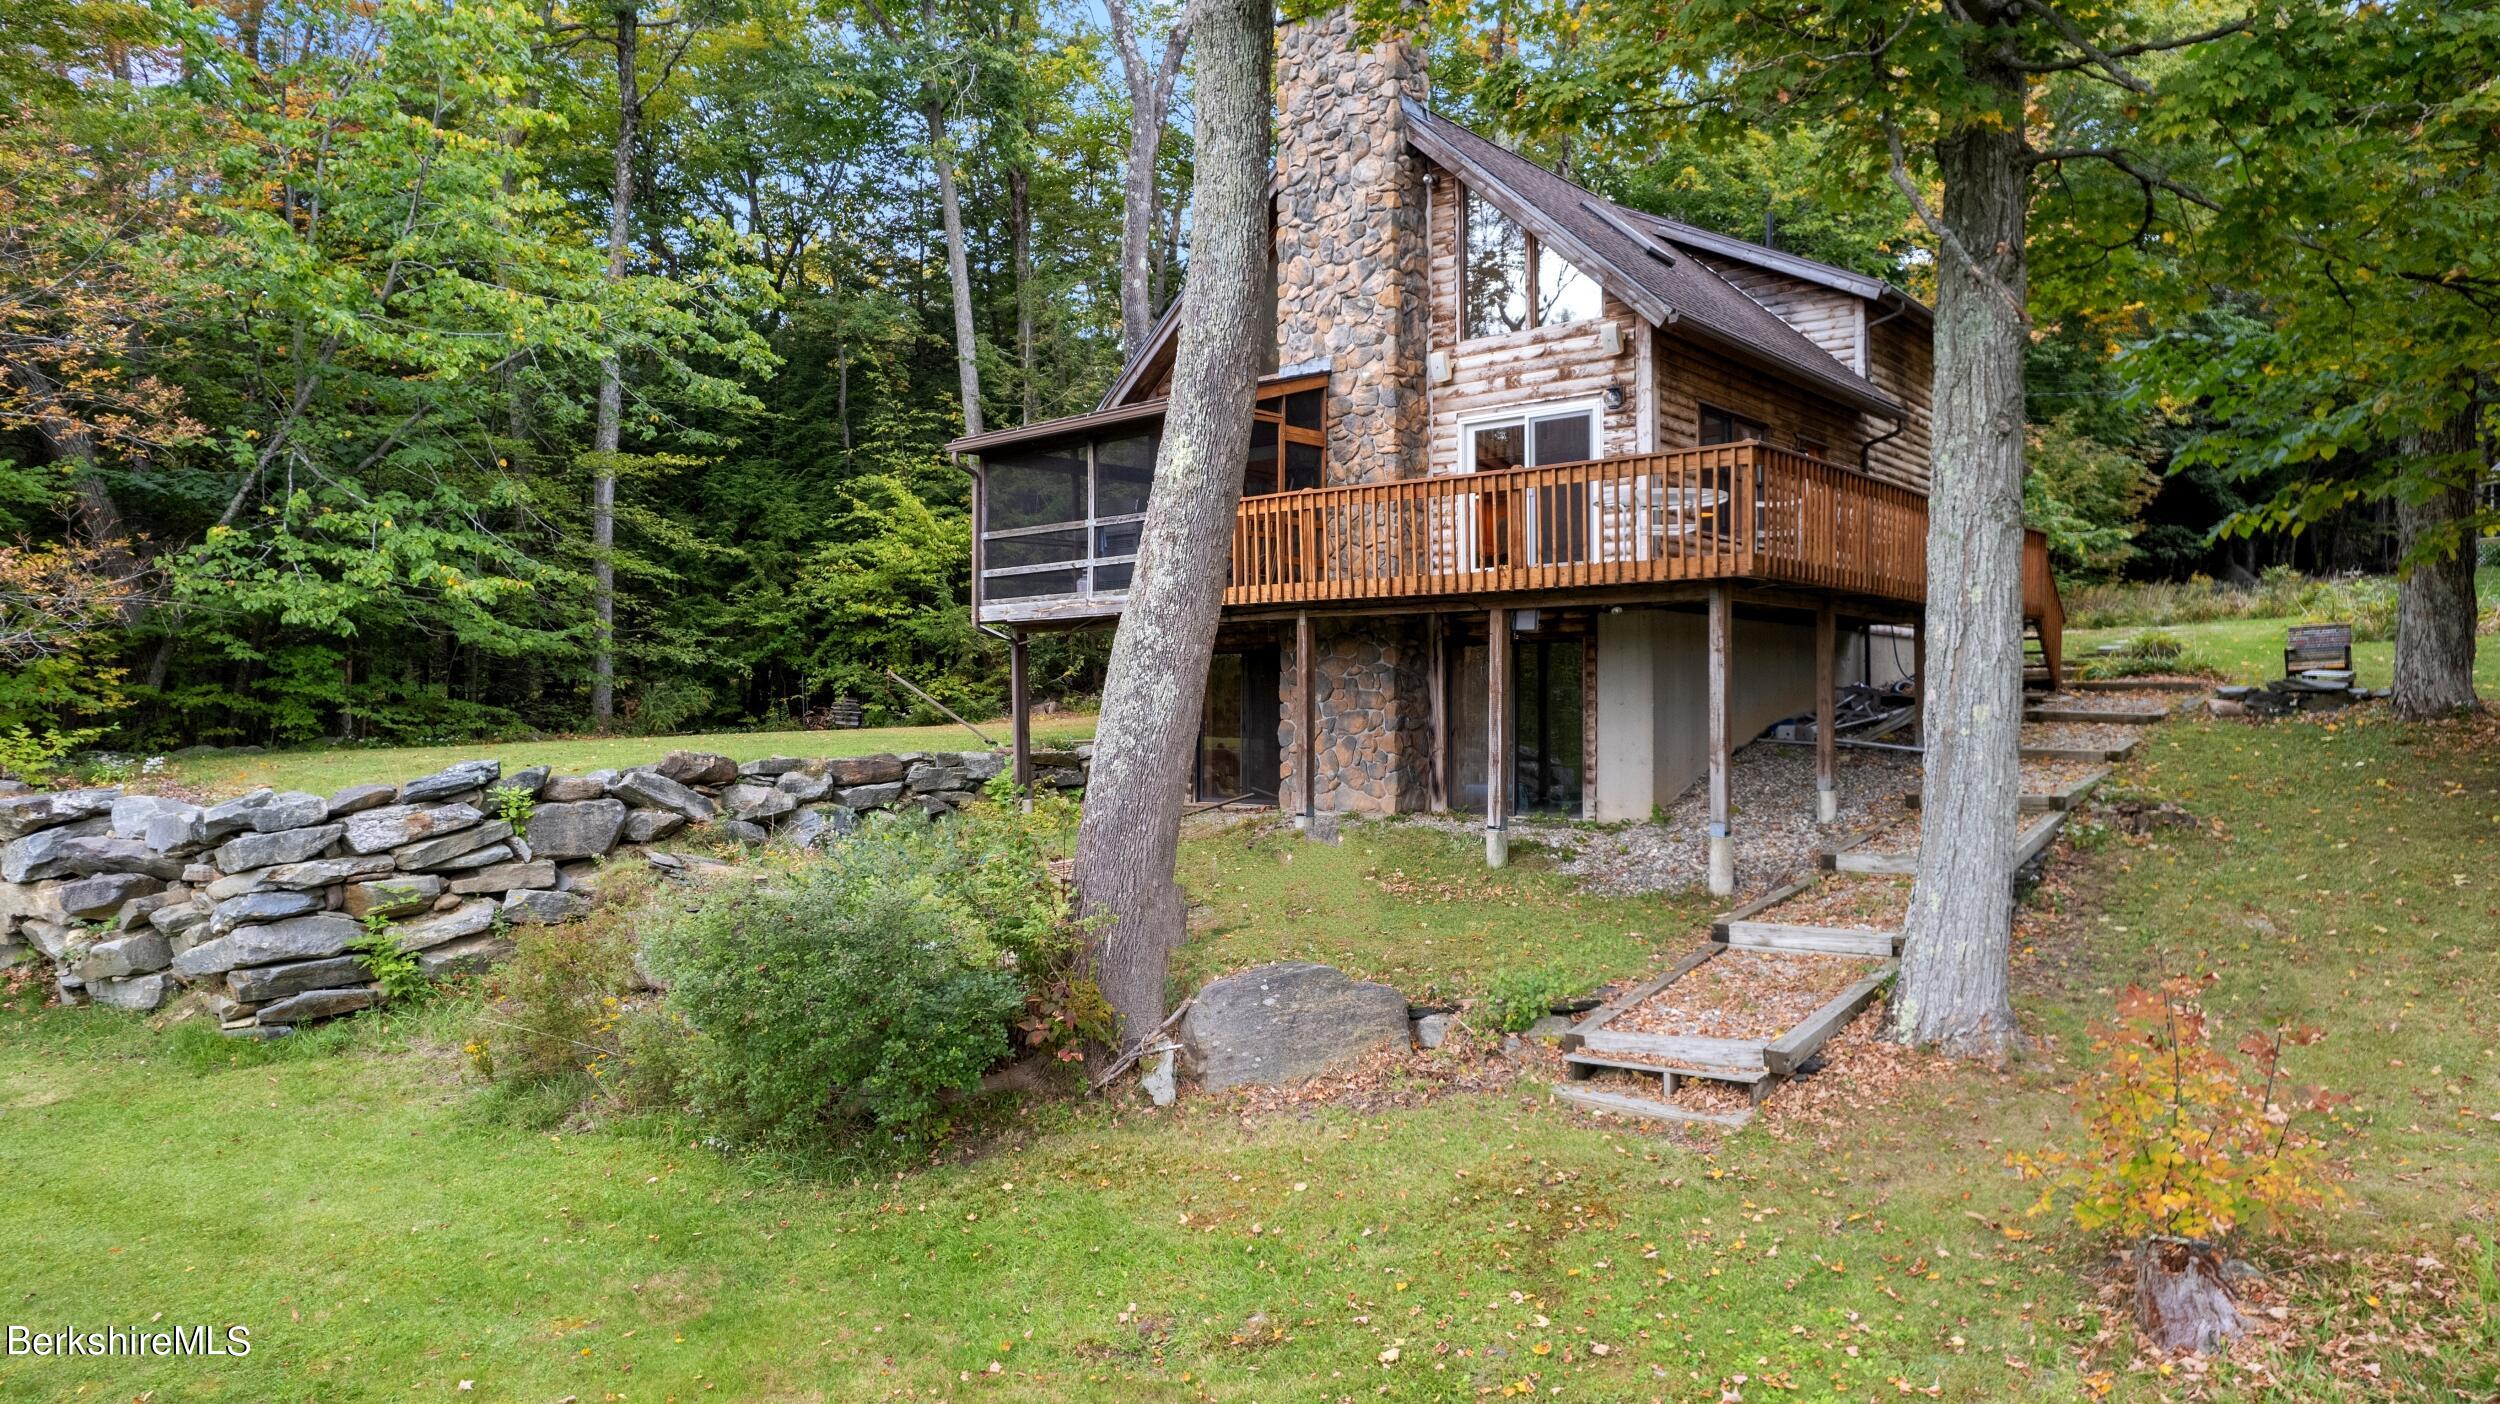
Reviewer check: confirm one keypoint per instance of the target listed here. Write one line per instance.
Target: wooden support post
(1826, 778)
(1020, 710)
(1437, 771)
(1722, 842)
(1497, 759)
(1306, 722)
(1918, 671)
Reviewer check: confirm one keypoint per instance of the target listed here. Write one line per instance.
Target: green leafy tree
(1970, 112)
(2336, 309)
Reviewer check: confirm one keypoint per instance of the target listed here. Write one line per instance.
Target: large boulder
(649, 789)
(388, 827)
(435, 852)
(21, 815)
(296, 938)
(255, 908)
(1286, 1022)
(262, 850)
(451, 780)
(584, 829)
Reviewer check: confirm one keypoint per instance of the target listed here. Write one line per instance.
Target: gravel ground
(2092, 736)
(1743, 995)
(2133, 700)
(1771, 791)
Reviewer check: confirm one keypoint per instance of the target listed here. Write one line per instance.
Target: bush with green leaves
(1517, 998)
(871, 985)
(391, 966)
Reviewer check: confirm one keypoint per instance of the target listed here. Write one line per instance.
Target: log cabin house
(1548, 504)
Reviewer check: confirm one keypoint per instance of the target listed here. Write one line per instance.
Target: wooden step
(1582, 1062)
(1622, 1105)
(1755, 934)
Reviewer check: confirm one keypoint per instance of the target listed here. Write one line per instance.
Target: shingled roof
(1634, 256)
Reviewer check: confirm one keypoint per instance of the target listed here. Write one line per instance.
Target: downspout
(1899, 426)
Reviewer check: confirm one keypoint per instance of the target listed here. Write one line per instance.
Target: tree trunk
(1953, 987)
(2435, 604)
(1130, 836)
(1137, 224)
(1149, 105)
(1020, 226)
(607, 435)
(2182, 1298)
(958, 261)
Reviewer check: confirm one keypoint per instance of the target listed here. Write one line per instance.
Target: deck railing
(1744, 510)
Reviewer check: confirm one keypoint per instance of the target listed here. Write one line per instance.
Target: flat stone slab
(1286, 1022)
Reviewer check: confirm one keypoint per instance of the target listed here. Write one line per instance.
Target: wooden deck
(1745, 511)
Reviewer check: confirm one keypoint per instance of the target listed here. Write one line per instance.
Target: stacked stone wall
(256, 905)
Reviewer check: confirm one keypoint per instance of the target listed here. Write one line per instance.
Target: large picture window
(1510, 282)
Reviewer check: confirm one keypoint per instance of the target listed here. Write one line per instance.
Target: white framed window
(1531, 436)
(1510, 281)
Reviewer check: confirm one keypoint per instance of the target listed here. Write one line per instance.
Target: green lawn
(1412, 906)
(329, 769)
(387, 1235)
(2251, 651)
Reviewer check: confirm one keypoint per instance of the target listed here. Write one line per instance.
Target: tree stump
(2182, 1297)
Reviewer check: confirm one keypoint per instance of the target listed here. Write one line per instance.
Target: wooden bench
(2310, 646)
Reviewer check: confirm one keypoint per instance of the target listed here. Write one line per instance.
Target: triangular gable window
(1511, 282)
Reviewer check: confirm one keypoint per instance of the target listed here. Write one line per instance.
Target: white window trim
(1594, 407)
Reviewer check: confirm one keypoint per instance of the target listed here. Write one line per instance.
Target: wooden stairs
(1756, 1065)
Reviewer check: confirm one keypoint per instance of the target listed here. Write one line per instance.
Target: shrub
(559, 997)
(513, 804)
(870, 985)
(1517, 998)
(392, 966)
(2185, 1140)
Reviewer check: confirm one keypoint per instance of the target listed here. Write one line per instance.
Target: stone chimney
(1352, 262)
